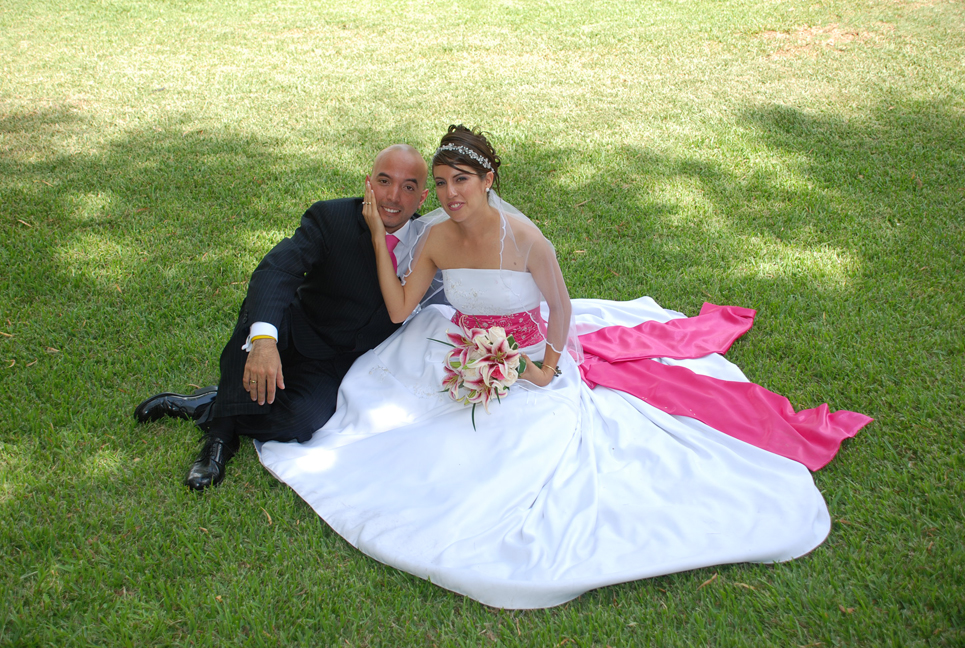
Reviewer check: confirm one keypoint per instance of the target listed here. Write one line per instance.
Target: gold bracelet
(263, 337)
(556, 371)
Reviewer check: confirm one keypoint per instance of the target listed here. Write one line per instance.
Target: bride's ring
(253, 382)
(366, 203)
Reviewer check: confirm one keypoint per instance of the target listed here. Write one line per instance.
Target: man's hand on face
(263, 371)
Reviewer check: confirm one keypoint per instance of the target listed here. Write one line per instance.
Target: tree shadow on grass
(126, 264)
(158, 229)
(892, 193)
(845, 236)
(161, 227)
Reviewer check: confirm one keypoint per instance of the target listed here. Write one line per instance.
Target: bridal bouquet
(482, 365)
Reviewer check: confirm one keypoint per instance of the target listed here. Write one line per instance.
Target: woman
(478, 236)
(557, 489)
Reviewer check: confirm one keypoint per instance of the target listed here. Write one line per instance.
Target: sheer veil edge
(524, 248)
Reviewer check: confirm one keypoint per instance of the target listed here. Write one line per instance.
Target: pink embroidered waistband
(527, 328)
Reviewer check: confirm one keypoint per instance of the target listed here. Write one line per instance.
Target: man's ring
(253, 382)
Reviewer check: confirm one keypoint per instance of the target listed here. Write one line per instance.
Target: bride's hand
(370, 212)
(540, 377)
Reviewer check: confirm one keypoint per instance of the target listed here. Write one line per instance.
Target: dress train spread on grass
(567, 488)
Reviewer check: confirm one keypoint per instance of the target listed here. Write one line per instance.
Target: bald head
(404, 155)
(399, 182)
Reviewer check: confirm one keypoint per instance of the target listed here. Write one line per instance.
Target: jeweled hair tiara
(468, 152)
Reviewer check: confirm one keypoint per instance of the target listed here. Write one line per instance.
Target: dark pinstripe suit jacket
(320, 286)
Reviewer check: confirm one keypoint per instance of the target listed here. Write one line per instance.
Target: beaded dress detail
(479, 297)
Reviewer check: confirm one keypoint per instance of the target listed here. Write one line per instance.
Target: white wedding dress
(558, 490)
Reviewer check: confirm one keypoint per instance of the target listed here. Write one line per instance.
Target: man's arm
(272, 288)
(274, 283)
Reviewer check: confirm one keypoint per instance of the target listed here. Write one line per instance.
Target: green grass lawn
(806, 159)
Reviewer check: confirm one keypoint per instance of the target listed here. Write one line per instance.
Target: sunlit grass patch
(825, 269)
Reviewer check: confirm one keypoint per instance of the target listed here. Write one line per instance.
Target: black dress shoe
(209, 468)
(183, 406)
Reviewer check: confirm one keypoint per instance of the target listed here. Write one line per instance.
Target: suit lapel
(366, 254)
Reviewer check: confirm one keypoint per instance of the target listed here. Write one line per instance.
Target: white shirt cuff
(259, 328)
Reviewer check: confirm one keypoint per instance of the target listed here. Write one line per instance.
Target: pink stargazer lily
(483, 362)
(452, 382)
(500, 361)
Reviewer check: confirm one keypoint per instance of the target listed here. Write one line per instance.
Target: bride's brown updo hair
(463, 147)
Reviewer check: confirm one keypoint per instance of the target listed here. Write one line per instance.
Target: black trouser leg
(224, 430)
(306, 403)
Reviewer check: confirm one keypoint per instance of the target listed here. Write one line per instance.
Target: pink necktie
(391, 240)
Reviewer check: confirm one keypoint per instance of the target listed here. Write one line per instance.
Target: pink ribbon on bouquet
(621, 358)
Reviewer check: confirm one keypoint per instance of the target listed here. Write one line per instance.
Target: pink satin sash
(620, 357)
(527, 328)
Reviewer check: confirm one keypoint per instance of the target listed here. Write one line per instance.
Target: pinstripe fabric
(320, 288)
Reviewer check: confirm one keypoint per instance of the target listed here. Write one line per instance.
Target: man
(313, 306)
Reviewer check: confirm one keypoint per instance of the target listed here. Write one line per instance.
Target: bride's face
(460, 191)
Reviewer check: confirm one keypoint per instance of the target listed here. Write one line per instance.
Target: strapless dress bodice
(490, 292)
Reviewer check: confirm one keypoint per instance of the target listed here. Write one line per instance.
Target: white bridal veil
(523, 249)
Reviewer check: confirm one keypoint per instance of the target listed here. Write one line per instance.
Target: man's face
(399, 182)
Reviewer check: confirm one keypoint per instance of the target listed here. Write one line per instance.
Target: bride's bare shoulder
(441, 231)
(439, 240)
